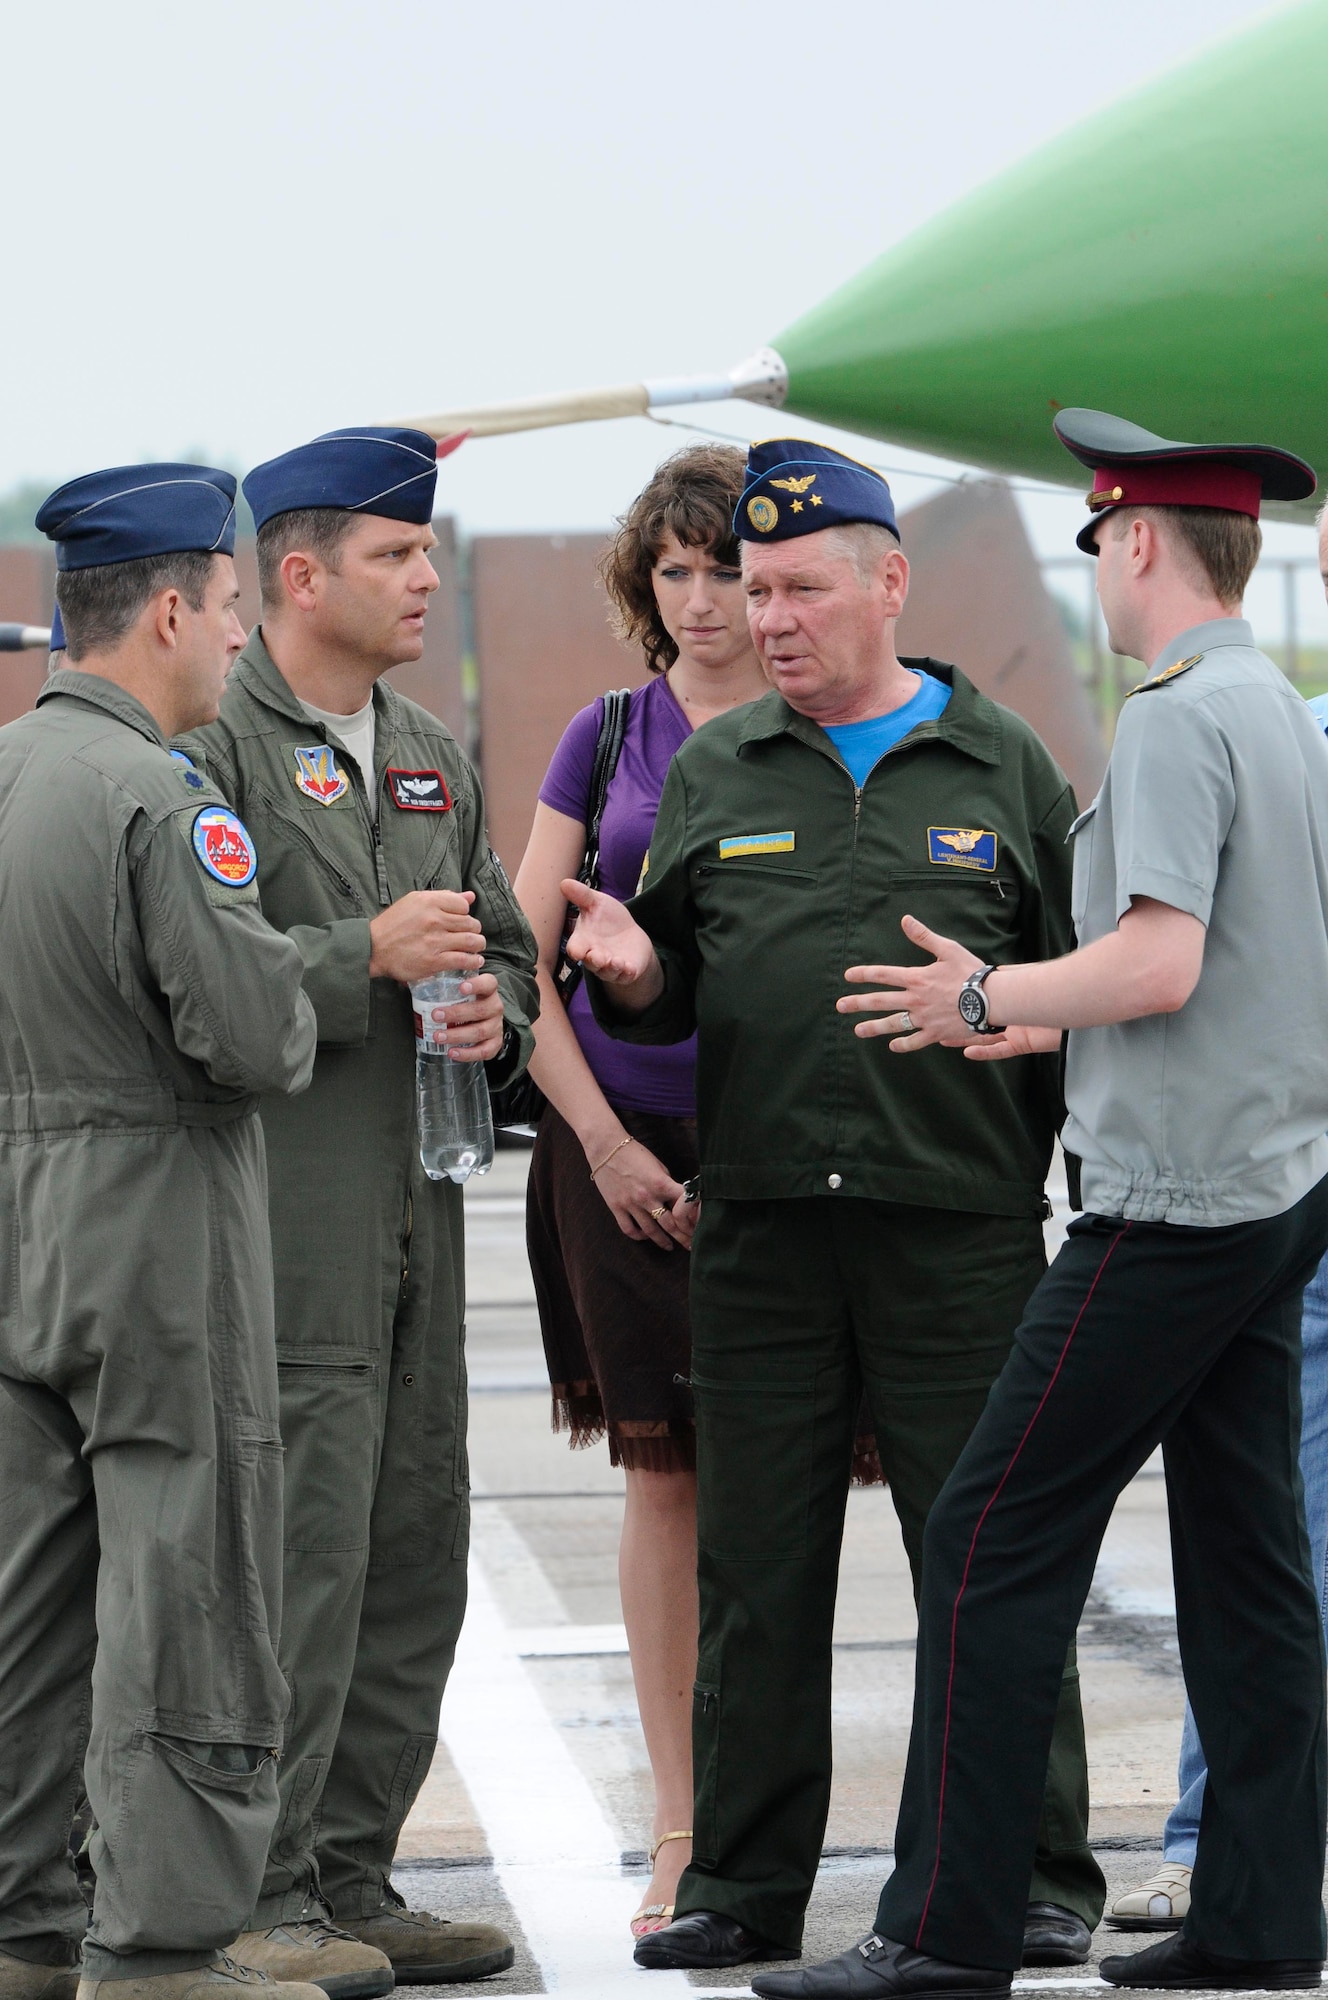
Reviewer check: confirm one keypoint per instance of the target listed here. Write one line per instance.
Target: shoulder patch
(962, 847)
(1167, 674)
(223, 845)
(419, 791)
(757, 843)
(188, 770)
(318, 774)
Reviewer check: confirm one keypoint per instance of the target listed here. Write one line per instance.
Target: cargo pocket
(755, 1440)
(705, 1762)
(330, 1427)
(176, 1807)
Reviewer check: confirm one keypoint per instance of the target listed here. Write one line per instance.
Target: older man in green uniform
(146, 1006)
(375, 861)
(865, 1224)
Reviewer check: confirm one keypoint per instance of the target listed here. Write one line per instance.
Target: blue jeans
(1181, 1838)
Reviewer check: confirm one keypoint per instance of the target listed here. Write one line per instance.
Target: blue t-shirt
(863, 744)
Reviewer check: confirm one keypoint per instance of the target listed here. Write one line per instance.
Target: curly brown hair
(692, 496)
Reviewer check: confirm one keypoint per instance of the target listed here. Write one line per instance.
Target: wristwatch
(973, 1003)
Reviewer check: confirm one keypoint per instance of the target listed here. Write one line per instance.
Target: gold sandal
(653, 1910)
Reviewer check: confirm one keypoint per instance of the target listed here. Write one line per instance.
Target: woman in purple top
(619, 1135)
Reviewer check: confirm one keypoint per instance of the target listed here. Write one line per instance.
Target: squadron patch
(419, 791)
(223, 845)
(757, 843)
(961, 847)
(188, 770)
(318, 774)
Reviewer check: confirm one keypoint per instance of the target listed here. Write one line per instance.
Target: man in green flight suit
(864, 1225)
(375, 861)
(146, 1006)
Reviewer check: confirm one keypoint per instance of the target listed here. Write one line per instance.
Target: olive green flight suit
(370, 1288)
(870, 1224)
(146, 1005)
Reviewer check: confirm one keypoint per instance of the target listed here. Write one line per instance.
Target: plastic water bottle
(456, 1123)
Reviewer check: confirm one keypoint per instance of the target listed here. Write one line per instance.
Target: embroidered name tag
(961, 847)
(419, 791)
(756, 843)
(318, 774)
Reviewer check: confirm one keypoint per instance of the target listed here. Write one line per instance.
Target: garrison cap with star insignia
(795, 487)
(1133, 467)
(364, 469)
(131, 511)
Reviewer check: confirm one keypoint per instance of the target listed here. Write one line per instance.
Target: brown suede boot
(20, 1980)
(224, 1979)
(319, 1954)
(429, 1951)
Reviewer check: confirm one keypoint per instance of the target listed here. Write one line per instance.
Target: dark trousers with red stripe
(1140, 1334)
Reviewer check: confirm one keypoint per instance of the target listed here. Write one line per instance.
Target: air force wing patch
(961, 847)
(223, 845)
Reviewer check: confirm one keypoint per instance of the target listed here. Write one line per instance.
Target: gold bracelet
(608, 1156)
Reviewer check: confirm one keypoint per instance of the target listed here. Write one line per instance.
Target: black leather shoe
(1179, 1962)
(704, 1938)
(1053, 1936)
(880, 1969)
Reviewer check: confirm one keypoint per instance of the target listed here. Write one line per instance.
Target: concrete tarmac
(536, 1811)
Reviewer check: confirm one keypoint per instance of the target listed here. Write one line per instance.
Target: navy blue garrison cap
(368, 469)
(57, 631)
(132, 511)
(795, 488)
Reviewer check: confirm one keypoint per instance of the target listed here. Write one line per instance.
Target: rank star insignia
(816, 499)
(797, 506)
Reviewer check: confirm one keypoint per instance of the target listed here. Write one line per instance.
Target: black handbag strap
(608, 749)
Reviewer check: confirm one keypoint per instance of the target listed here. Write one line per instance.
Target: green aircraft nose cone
(1167, 259)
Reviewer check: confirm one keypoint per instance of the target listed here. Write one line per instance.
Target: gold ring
(656, 1213)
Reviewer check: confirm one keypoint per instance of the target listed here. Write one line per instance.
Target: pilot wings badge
(794, 485)
(961, 847)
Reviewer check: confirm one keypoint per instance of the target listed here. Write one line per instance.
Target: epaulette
(1168, 674)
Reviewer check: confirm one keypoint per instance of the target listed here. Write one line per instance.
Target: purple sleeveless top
(658, 1080)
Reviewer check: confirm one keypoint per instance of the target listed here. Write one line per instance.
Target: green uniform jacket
(770, 872)
(347, 1184)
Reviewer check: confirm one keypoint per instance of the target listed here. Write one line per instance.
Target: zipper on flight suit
(407, 1233)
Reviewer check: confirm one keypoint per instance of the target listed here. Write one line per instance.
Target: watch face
(972, 1006)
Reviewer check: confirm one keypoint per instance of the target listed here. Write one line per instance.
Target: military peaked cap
(1133, 467)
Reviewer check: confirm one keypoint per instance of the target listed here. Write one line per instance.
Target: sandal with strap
(653, 1916)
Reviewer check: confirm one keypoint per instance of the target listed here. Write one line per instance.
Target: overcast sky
(229, 228)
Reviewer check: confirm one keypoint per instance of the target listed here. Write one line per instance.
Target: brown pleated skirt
(613, 1312)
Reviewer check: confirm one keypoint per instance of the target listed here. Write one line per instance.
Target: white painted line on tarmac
(553, 1850)
(568, 1642)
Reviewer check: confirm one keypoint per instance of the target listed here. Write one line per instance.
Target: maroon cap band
(1178, 482)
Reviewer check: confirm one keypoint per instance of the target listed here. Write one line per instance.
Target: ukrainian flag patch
(756, 843)
(961, 847)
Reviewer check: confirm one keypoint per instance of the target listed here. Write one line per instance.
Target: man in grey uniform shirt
(1197, 1086)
